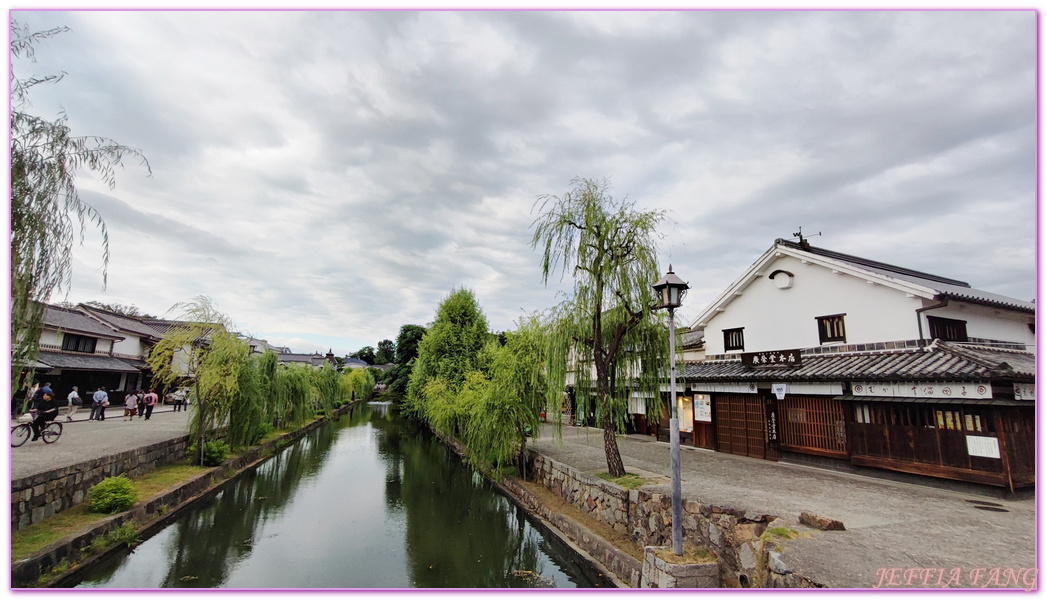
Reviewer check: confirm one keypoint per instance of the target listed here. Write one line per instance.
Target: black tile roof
(123, 323)
(85, 362)
(938, 361)
(74, 321)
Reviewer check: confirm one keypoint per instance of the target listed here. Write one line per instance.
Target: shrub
(112, 494)
(215, 453)
(264, 430)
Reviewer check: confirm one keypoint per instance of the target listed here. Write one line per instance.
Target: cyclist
(46, 410)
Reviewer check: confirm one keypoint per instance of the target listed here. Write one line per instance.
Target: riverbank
(57, 564)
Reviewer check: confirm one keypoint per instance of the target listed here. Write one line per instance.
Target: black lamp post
(671, 290)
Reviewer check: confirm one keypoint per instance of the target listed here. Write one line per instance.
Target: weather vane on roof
(803, 242)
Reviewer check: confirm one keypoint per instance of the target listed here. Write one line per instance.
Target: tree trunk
(610, 441)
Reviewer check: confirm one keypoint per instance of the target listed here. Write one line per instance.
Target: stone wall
(736, 537)
(37, 497)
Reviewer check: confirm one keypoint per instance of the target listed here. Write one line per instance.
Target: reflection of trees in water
(210, 540)
(460, 531)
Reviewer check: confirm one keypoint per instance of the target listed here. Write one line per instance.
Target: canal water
(368, 501)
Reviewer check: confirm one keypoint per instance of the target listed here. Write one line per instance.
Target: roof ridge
(868, 262)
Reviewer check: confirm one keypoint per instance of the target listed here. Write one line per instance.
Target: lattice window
(733, 339)
(948, 330)
(78, 343)
(830, 329)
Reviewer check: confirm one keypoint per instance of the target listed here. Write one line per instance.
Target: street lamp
(671, 290)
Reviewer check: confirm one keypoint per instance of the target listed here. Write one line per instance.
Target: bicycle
(20, 433)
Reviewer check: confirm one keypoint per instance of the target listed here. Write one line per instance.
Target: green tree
(448, 352)
(407, 343)
(513, 398)
(365, 354)
(202, 347)
(386, 352)
(607, 325)
(397, 377)
(47, 213)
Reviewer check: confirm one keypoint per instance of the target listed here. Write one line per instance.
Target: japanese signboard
(980, 445)
(771, 358)
(703, 410)
(959, 391)
(1024, 391)
(772, 424)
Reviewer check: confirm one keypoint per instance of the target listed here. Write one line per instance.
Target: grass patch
(162, 478)
(629, 481)
(25, 542)
(620, 540)
(784, 533)
(691, 556)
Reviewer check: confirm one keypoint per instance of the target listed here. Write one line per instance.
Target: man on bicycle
(46, 410)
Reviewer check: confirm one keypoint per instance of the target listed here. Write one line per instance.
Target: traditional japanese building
(818, 356)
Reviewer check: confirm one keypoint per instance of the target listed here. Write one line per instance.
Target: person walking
(46, 410)
(140, 395)
(73, 402)
(131, 405)
(150, 402)
(101, 400)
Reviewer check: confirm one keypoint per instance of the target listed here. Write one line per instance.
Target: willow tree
(47, 213)
(514, 396)
(605, 332)
(201, 346)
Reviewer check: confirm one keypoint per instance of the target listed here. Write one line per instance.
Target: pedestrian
(150, 402)
(73, 401)
(130, 406)
(101, 400)
(141, 402)
(46, 410)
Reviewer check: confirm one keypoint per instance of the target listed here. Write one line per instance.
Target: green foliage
(112, 494)
(448, 352)
(606, 332)
(628, 481)
(386, 352)
(47, 213)
(365, 354)
(215, 453)
(358, 384)
(514, 395)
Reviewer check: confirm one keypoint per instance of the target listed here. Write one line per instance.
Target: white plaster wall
(775, 319)
(987, 322)
(131, 345)
(51, 336)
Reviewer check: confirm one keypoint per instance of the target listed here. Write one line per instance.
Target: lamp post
(671, 290)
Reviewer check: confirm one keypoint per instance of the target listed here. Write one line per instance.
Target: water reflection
(365, 502)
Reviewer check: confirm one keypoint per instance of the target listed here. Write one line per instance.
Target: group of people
(139, 403)
(44, 408)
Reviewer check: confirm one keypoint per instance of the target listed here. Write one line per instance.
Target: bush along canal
(367, 501)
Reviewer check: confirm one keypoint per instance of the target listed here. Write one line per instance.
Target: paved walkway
(889, 524)
(85, 440)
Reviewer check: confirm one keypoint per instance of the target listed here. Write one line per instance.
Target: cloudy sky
(326, 177)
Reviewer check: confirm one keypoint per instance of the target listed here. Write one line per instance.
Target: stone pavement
(889, 524)
(85, 440)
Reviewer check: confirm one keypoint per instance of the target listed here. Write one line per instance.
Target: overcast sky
(326, 177)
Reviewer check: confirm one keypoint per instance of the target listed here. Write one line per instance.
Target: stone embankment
(744, 548)
(73, 553)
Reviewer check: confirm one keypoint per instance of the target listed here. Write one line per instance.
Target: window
(830, 329)
(948, 330)
(733, 339)
(78, 343)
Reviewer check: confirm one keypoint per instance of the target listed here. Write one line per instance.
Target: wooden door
(741, 426)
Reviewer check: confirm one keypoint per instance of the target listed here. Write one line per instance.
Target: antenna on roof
(803, 242)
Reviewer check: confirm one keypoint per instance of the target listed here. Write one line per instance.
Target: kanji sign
(771, 358)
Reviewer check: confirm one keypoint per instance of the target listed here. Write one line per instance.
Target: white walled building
(818, 356)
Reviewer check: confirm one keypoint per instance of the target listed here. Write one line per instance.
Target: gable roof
(917, 283)
(73, 321)
(121, 322)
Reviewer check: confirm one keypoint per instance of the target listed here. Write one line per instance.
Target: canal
(367, 501)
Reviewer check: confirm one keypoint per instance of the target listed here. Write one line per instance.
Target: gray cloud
(331, 176)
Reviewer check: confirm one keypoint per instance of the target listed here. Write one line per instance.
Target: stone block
(746, 532)
(746, 557)
(819, 522)
(657, 573)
